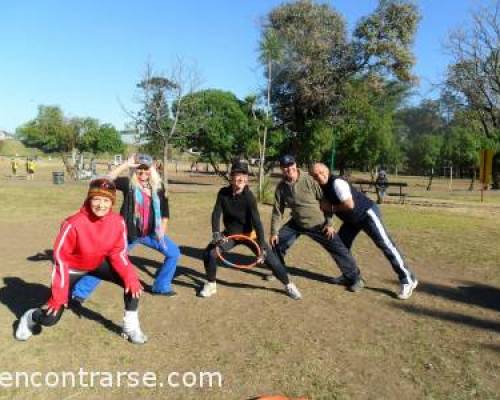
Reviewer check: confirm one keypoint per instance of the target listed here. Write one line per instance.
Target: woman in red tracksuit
(93, 241)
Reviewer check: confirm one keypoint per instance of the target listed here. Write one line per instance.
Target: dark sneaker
(357, 285)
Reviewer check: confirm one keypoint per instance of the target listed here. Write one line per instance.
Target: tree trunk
(165, 169)
(429, 185)
(495, 173)
(68, 167)
(473, 178)
(264, 139)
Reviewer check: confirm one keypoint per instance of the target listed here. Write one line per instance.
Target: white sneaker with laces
(209, 289)
(26, 324)
(132, 329)
(293, 292)
(407, 289)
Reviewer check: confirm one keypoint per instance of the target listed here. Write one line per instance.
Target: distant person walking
(30, 169)
(381, 183)
(14, 165)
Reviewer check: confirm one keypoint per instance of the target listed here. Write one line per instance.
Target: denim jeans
(164, 275)
(290, 232)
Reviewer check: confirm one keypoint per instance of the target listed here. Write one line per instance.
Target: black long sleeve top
(239, 213)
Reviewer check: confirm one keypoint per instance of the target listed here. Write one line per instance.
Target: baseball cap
(144, 159)
(287, 160)
(239, 167)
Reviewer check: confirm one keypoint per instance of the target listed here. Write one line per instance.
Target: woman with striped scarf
(146, 212)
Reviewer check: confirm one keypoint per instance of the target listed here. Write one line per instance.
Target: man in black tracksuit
(238, 208)
(359, 213)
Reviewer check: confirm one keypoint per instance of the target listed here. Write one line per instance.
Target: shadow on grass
(19, 296)
(304, 273)
(198, 279)
(387, 292)
(46, 255)
(469, 293)
(451, 317)
(197, 253)
(143, 264)
(493, 347)
(81, 311)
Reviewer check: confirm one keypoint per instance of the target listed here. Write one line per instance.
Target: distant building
(131, 136)
(4, 135)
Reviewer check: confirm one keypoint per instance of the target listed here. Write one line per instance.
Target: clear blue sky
(87, 55)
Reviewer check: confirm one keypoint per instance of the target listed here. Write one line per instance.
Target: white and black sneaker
(407, 289)
(293, 292)
(26, 325)
(136, 336)
(132, 328)
(209, 289)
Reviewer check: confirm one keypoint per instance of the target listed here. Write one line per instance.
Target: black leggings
(104, 272)
(272, 260)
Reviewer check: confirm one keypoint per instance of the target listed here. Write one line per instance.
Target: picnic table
(365, 185)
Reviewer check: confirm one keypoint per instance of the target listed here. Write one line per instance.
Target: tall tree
(161, 101)
(474, 73)
(364, 132)
(49, 131)
(97, 138)
(425, 155)
(318, 59)
(270, 51)
(219, 126)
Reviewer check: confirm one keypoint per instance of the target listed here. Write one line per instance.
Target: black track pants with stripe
(373, 226)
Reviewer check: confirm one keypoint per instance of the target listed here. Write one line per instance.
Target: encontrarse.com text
(109, 379)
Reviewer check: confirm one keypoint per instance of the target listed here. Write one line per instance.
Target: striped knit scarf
(139, 202)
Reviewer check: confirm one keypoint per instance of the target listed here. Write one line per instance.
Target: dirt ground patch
(444, 343)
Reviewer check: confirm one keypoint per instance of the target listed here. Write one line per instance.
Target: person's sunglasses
(140, 171)
(102, 184)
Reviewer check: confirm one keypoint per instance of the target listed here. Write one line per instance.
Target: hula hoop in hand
(241, 239)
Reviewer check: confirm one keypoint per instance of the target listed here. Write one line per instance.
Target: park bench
(368, 186)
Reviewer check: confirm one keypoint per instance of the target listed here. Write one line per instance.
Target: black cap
(239, 167)
(287, 160)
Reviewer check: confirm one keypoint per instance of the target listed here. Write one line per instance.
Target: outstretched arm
(130, 163)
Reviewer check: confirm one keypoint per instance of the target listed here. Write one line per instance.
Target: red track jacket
(83, 243)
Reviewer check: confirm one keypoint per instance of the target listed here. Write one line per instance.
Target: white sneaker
(26, 324)
(136, 336)
(292, 291)
(407, 289)
(132, 329)
(209, 289)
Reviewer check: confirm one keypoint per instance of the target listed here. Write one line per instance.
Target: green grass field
(443, 343)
